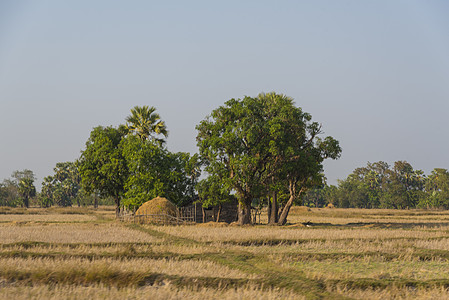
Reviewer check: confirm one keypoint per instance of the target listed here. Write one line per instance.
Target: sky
(375, 74)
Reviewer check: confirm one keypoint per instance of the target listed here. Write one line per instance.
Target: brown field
(73, 253)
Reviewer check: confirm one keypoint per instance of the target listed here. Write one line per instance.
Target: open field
(336, 254)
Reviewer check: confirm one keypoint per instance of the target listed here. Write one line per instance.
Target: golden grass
(442, 244)
(389, 255)
(166, 291)
(187, 268)
(407, 220)
(409, 270)
(211, 234)
(436, 293)
(366, 213)
(47, 218)
(127, 249)
(71, 233)
(329, 246)
(50, 210)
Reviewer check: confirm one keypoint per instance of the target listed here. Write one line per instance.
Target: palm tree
(27, 190)
(145, 123)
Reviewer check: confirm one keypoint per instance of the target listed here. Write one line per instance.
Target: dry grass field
(321, 254)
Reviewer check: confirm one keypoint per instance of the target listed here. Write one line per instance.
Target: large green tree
(102, 167)
(146, 123)
(252, 143)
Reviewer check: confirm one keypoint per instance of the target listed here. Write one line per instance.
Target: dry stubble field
(341, 254)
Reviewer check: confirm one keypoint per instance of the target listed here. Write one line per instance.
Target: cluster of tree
(62, 188)
(379, 185)
(256, 150)
(131, 164)
(19, 189)
(262, 149)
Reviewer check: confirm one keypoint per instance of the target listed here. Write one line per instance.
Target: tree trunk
(245, 212)
(218, 214)
(288, 205)
(204, 214)
(285, 211)
(269, 210)
(26, 202)
(274, 211)
(117, 207)
(95, 201)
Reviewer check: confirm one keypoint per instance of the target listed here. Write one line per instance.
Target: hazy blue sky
(374, 73)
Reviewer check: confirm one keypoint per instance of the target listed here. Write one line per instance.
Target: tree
(437, 187)
(102, 166)
(378, 185)
(254, 142)
(61, 188)
(25, 181)
(405, 186)
(212, 192)
(9, 193)
(46, 194)
(146, 123)
(154, 171)
(180, 177)
(303, 167)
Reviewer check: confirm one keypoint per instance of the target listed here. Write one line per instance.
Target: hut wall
(228, 214)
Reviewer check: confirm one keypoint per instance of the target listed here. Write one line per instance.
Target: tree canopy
(379, 185)
(62, 188)
(253, 143)
(134, 168)
(154, 171)
(146, 123)
(102, 166)
(25, 183)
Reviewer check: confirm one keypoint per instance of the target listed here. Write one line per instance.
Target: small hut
(226, 212)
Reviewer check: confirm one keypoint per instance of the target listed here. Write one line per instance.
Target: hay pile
(158, 206)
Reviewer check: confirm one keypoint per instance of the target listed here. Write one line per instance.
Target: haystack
(158, 206)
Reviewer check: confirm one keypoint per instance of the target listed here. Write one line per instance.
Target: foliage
(154, 171)
(212, 192)
(62, 188)
(437, 187)
(146, 123)
(379, 185)
(25, 185)
(102, 167)
(253, 143)
(9, 193)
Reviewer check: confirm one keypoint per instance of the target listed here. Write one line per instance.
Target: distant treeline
(379, 185)
(62, 189)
